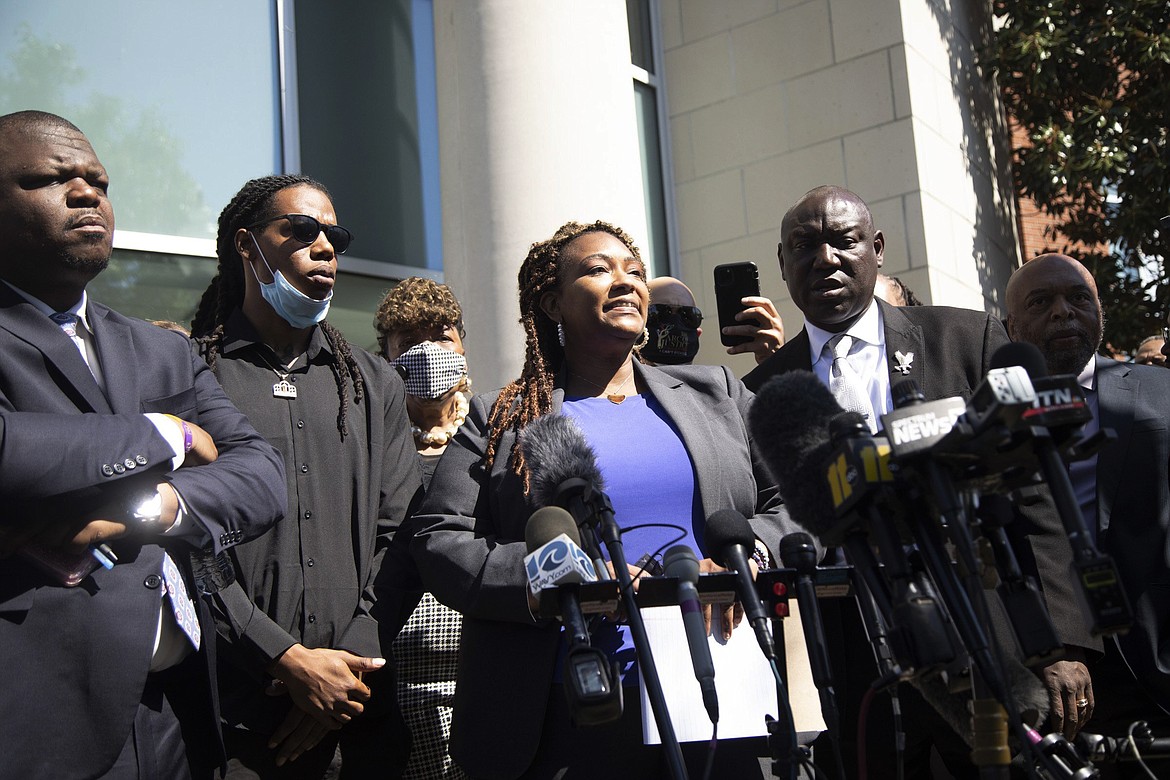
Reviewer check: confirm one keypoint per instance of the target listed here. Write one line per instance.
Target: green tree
(1089, 82)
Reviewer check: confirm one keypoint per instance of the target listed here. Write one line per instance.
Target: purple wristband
(188, 437)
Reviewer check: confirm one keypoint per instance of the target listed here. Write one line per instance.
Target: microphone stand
(601, 514)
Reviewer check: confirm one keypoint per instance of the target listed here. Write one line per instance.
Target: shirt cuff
(172, 432)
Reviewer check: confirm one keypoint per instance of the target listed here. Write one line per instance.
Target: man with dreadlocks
(298, 619)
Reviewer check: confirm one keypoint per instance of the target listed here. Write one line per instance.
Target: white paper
(743, 681)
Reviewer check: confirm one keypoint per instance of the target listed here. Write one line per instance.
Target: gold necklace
(613, 398)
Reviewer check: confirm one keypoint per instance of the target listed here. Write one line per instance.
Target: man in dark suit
(111, 677)
(830, 253)
(1124, 491)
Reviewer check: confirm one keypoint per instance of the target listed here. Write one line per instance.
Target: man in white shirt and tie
(829, 253)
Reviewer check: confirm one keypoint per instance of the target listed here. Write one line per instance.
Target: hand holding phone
(733, 283)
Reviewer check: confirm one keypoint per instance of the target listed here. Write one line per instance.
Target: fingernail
(379, 661)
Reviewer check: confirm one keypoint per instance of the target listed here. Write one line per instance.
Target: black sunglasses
(689, 315)
(306, 229)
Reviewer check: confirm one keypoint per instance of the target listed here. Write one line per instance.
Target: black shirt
(311, 576)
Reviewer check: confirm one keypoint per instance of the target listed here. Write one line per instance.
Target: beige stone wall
(769, 98)
(536, 127)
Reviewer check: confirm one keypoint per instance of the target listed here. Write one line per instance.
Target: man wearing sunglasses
(674, 320)
(300, 653)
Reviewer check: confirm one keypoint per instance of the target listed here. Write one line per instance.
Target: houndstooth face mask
(429, 371)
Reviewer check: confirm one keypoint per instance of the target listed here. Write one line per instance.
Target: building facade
(454, 133)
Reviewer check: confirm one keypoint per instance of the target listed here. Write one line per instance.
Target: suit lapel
(797, 357)
(903, 336)
(26, 323)
(115, 348)
(1116, 389)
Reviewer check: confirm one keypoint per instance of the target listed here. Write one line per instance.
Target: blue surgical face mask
(293, 306)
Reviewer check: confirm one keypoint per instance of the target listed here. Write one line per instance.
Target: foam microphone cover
(790, 426)
(556, 450)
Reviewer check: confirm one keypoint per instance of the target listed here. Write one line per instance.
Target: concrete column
(536, 127)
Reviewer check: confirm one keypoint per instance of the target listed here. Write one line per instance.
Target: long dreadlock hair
(252, 204)
(530, 396)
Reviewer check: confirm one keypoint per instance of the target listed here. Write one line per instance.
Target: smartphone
(67, 568)
(733, 282)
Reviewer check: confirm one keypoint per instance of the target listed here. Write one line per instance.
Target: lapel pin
(905, 359)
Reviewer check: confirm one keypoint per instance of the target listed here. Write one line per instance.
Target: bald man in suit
(830, 253)
(1123, 491)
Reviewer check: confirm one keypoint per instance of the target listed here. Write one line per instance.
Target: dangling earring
(561, 334)
(642, 341)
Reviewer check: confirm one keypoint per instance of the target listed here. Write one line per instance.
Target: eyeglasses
(306, 229)
(690, 316)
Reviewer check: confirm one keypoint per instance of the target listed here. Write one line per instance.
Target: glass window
(641, 44)
(153, 286)
(649, 107)
(186, 102)
(180, 102)
(657, 246)
(358, 121)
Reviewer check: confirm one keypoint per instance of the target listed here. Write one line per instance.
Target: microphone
(789, 422)
(680, 562)
(1060, 401)
(1100, 583)
(797, 552)
(555, 561)
(728, 538)
(563, 472)
(863, 483)
(790, 425)
(554, 556)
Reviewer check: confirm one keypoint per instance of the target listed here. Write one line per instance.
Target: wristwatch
(148, 513)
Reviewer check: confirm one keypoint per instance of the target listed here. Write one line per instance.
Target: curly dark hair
(252, 204)
(530, 396)
(416, 303)
(907, 294)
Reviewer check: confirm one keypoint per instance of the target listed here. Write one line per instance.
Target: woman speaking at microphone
(672, 446)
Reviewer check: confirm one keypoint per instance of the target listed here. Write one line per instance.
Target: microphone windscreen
(555, 450)
(790, 426)
(546, 524)
(1021, 353)
(680, 561)
(723, 529)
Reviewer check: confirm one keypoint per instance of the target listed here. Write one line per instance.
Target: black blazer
(470, 549)
(1133, 510)
(78, 658)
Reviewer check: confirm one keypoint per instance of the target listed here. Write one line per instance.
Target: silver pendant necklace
(283, 388)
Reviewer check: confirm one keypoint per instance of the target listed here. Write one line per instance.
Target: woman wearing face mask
(672, 446)
(298, 648)
(420, 331)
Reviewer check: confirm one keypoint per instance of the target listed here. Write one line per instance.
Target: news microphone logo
(916, 428)
(557, 562)
(862, 464)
